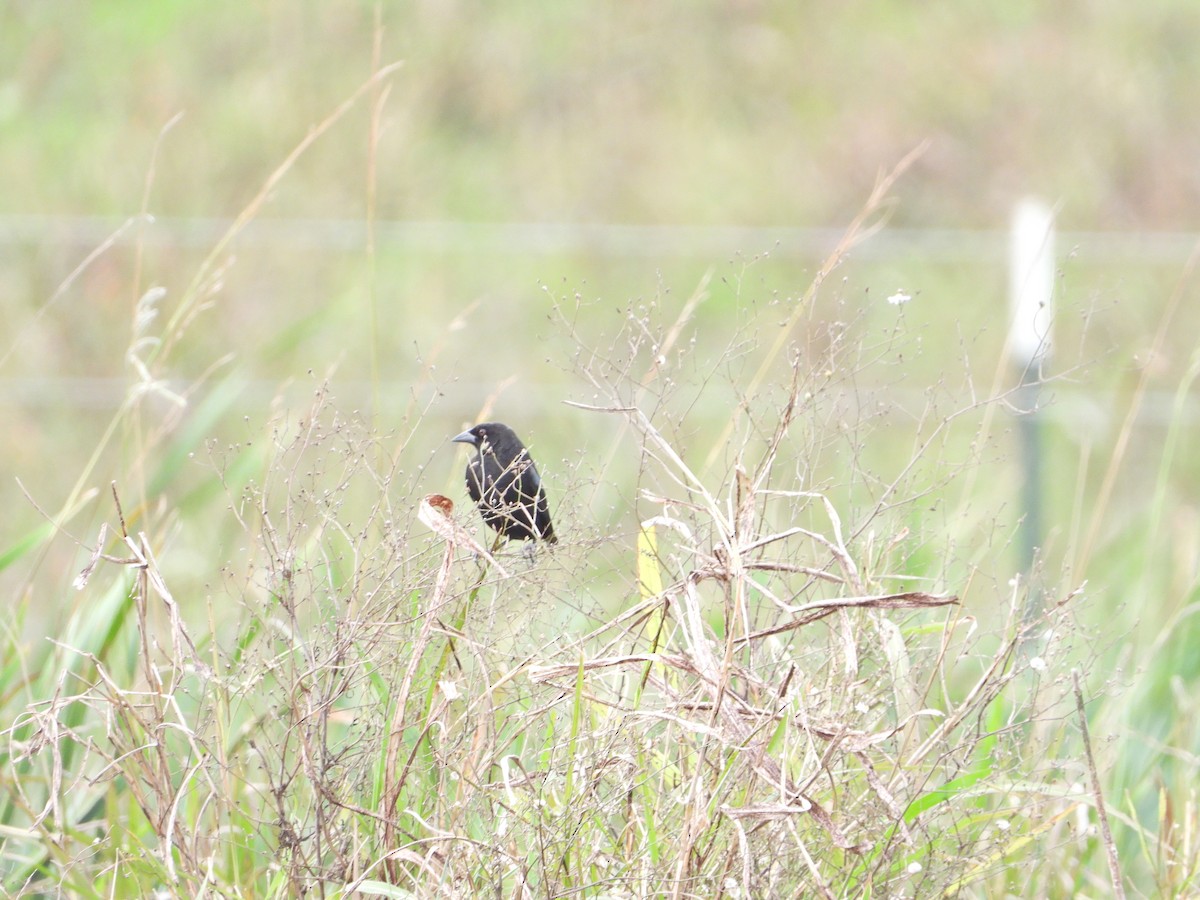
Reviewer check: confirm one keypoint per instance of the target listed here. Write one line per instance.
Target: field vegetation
(736, 272)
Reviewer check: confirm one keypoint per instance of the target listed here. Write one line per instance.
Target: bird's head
(485, 436)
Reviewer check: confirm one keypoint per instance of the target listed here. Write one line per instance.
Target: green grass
(277, 681)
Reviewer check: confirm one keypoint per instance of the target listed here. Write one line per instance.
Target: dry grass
(761, 690)
(777, 657)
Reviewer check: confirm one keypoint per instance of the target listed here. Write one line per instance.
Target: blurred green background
(598, 156)
(533, 172)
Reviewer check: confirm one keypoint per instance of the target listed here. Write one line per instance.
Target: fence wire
(936, 245)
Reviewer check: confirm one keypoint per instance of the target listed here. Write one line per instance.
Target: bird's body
(505, 485)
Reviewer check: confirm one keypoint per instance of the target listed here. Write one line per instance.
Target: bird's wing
(529, 482)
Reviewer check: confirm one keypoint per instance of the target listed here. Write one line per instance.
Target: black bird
(505, 485)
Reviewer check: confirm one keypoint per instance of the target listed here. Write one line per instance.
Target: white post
(1031, 285)
(1031, 293)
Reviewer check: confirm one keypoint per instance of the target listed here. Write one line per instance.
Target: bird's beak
(465, 438)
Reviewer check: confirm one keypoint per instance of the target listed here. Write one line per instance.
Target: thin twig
(1110, 847)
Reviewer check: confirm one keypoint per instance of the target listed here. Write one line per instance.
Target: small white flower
(1003, 824)
(899, 298)
(1037, 664)
(914, 868)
